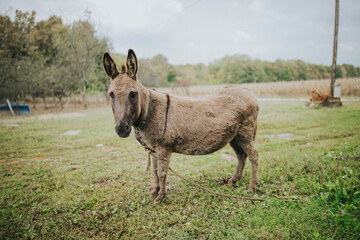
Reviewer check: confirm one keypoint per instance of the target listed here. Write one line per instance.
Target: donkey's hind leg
(241, 156)
(249, 149)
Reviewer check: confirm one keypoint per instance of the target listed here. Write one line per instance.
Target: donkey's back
(205, 124)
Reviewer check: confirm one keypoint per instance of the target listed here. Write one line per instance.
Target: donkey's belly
(200, 150)
(202, 144)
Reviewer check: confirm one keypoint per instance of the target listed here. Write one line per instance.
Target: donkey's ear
(110, 66)
(132, 64)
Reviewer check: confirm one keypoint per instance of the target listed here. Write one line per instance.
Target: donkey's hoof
(251, 190)
(231, 182)
(154, 192)
(159, 199)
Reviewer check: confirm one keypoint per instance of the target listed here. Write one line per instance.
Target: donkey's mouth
(123, 132)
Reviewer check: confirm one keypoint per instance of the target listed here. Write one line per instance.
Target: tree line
(242, 69)
(51, 59)
(234, 69)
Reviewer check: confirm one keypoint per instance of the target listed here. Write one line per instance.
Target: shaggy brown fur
(193, 126)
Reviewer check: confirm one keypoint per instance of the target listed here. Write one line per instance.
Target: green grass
(50, 191)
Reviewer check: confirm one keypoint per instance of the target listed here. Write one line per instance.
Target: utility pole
(336, 28)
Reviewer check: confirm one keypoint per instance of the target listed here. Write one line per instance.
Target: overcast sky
(194, 31)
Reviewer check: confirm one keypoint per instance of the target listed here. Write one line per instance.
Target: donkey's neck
(156, 120)
(144, 95)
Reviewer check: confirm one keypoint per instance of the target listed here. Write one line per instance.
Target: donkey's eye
(112, 95)
(132, 95)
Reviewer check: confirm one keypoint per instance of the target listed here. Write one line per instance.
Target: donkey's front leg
(155, 187)
(163, 160)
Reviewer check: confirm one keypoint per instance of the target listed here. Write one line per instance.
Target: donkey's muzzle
(123, 130)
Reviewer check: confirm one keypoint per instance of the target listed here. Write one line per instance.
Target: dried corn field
(349, 87)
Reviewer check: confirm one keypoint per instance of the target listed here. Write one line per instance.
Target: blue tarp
(18, 108)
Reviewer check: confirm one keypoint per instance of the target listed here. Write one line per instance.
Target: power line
(161, 22)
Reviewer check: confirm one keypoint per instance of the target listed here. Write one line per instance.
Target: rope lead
(210, 191)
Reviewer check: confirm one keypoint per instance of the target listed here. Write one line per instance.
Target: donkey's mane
(123, 67)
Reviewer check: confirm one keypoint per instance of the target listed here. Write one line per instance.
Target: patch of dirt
(71, 133)
(109, 148)
(280, 135)
(60, 115)
(64, 146)
(13, 121)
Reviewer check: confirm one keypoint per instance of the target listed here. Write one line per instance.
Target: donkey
(194, 126)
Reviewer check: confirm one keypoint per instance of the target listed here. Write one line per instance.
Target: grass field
(56, 186)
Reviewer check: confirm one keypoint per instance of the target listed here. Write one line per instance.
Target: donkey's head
(127, 94)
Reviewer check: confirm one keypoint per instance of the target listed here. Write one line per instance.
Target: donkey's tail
(255, 130)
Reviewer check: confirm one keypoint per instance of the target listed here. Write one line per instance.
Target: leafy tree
(47, 57)
(350, 70)
(16, 49)
(154, 72)
(339, 72)
(171, 76)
